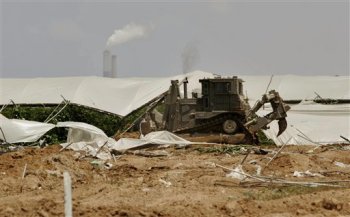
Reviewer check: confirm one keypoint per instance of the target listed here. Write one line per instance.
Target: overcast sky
(67, 38)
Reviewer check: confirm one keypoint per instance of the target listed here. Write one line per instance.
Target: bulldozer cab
(220, 94)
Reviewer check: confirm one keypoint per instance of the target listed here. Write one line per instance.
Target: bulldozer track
(211, 123)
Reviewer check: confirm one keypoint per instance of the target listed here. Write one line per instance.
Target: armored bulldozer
(220, 107)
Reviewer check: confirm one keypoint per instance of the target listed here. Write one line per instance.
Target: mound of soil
(185, 183)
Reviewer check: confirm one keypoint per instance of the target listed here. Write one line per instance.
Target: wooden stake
(245, 157)
(101, 147)
(115, 160)
(279, 151)
(24, 171)
(63, 148)
(68, 208)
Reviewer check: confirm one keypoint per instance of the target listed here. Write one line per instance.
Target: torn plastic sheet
(15, 130)
(80, 132)
(90, 142)
(92, 148)
(87, 138)
(237, 173)
(156, 138)
(82, 137)
(90, 139)
(94, 142)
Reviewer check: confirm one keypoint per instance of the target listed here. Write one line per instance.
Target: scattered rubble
(306, 173)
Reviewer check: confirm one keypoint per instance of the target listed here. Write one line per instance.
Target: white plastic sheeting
(123, 95)
(321, 124)
(297, 87)
(157, 138)
(94, 142)
(83, 137)
(313, 124)
(79, 131)
(87, 138)
(15, 130)
(116, 95)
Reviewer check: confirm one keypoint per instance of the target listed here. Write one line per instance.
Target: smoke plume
(129, 32)
(190, 57)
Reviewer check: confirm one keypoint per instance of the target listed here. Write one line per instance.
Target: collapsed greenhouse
(314, 100)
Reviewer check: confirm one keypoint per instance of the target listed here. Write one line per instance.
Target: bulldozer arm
(279, 112)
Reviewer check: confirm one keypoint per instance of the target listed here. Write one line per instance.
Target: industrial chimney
(114, 66)
(107, 68)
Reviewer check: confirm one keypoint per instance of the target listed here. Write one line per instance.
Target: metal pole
(267, 88)
(67, 103)
(3, 135)
(48, 117)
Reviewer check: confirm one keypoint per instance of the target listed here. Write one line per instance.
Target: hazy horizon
(54, 39)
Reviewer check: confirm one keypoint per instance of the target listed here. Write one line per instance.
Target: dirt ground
(185, 183)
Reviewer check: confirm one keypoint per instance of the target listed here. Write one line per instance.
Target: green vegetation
(226, 149)
(107, 122)
(132, 118)
(263, 140)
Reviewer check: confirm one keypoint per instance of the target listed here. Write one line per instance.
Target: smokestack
(107, 64)
(185, 88)
(114, 66)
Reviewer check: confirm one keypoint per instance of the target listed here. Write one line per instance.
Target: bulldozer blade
(282, 125)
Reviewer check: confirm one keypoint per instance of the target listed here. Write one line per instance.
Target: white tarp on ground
(97, 144)
(157, 138)
(15, 131)
(82, 137)
(87, 138)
